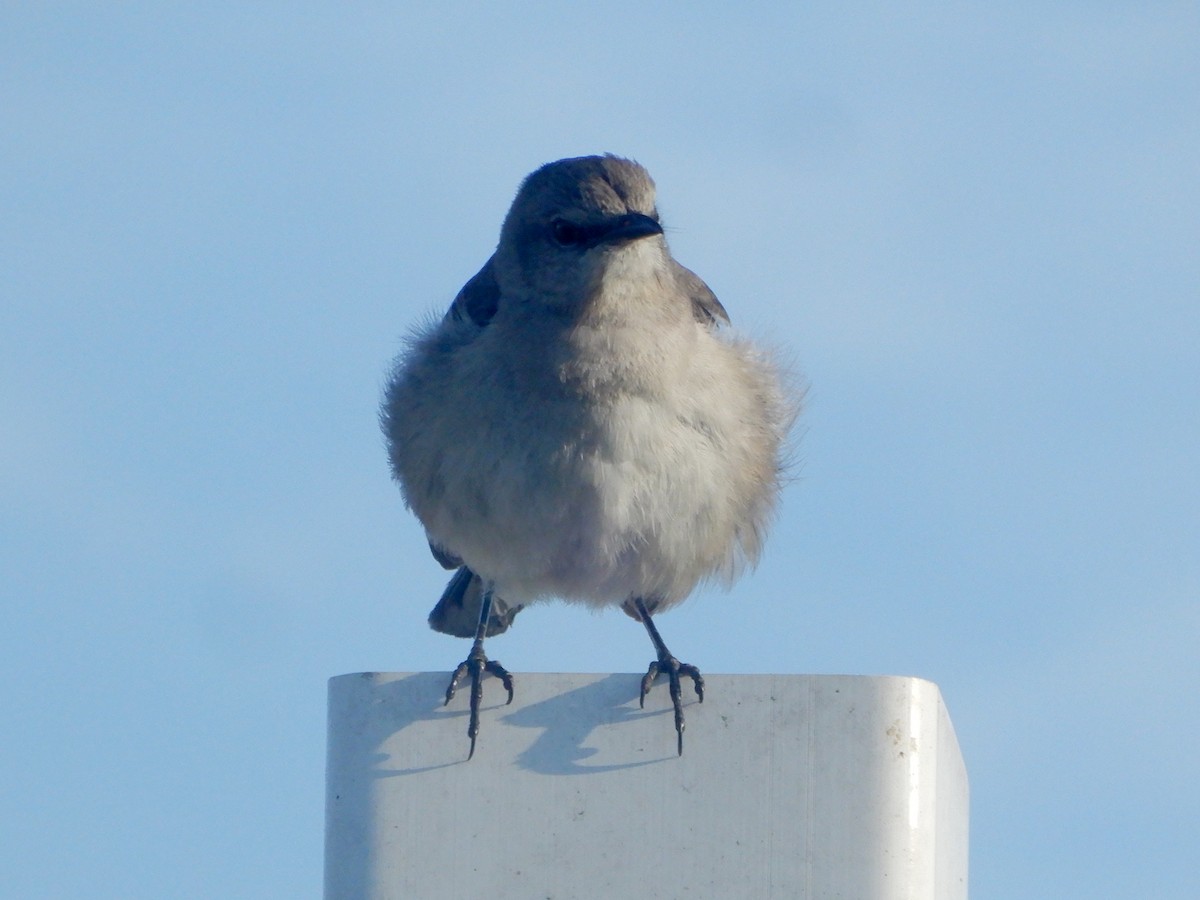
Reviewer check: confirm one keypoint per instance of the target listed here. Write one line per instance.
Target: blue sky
(973, 227)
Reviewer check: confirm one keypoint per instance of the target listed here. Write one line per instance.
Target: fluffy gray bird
(579, 426)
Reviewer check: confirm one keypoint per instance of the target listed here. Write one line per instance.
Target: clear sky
(973, 227)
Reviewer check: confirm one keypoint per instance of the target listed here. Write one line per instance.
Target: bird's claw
(476, 664)
(674, 670)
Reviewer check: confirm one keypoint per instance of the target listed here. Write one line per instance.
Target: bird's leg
(476, 664)
(673, 669)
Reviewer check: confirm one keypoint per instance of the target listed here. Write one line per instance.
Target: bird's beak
(630, 227)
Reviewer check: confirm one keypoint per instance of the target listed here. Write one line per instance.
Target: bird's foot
(476, 664)
(674, 670)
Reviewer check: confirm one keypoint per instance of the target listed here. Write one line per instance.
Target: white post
(789, 786)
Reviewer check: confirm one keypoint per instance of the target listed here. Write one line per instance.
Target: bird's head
(573, 222)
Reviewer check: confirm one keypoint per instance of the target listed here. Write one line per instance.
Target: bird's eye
(566, 234)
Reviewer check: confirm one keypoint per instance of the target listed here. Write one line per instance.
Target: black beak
(630, 227)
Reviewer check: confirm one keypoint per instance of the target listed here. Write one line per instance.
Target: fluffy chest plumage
(581, 472)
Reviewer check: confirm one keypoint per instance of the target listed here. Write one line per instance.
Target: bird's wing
(475, 305)
(479, 298)
(705, 306)
(457, 612)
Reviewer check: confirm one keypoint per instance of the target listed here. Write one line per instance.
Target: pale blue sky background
(974, 227)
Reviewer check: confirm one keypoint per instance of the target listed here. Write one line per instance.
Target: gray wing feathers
(705, 306)
(479, 298)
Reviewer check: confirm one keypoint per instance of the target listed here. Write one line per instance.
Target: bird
(583, 424)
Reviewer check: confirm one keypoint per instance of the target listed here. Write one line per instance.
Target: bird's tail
(457, 612)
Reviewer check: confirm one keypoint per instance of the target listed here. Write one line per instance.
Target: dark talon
(502, 673)
(647, 681)
(454, 679)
